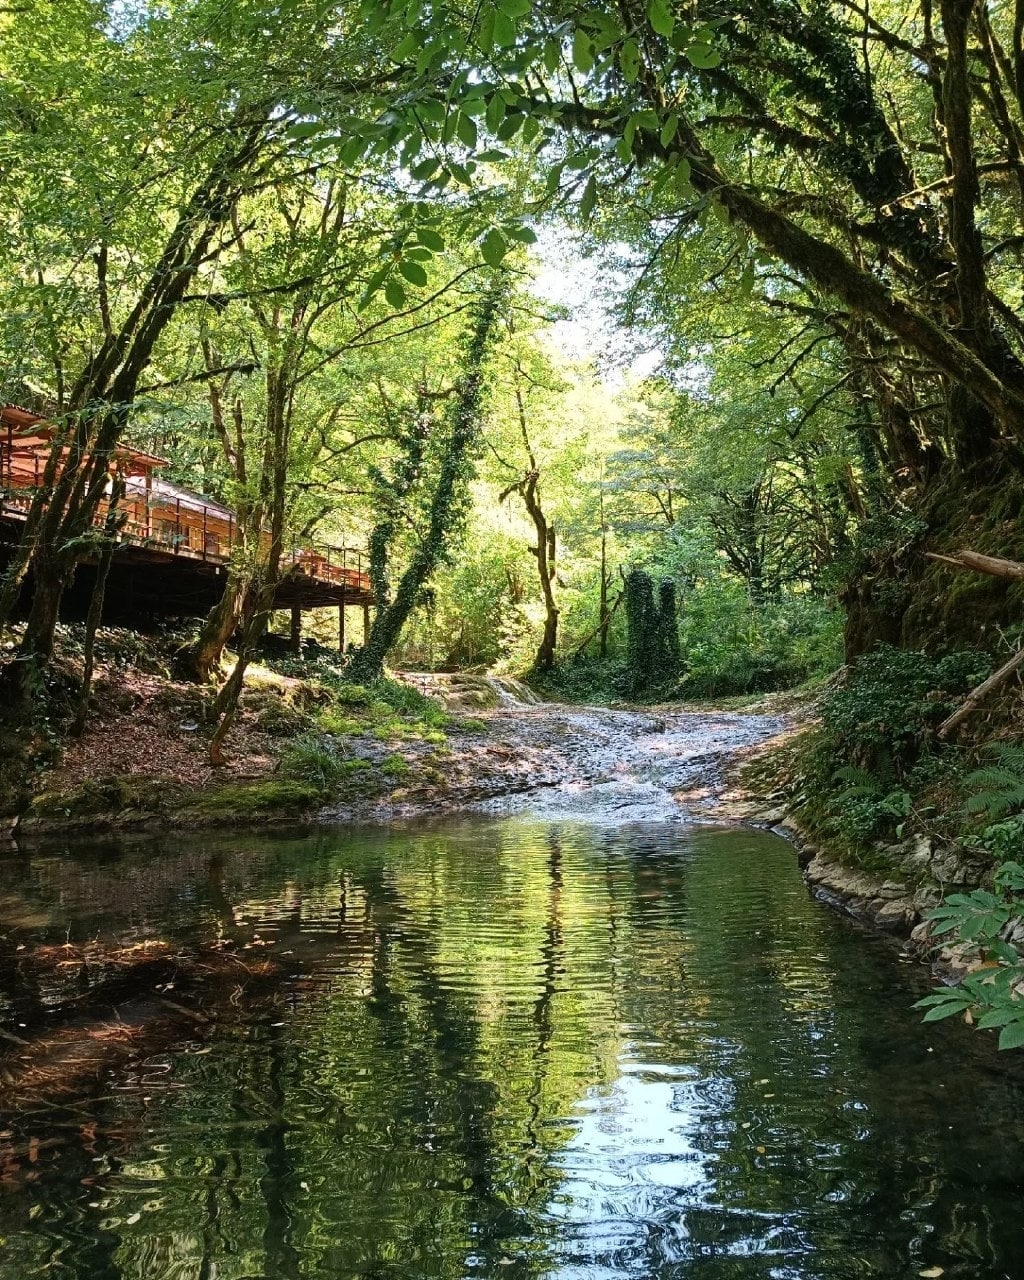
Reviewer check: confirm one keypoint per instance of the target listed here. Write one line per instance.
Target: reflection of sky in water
(513, 1050)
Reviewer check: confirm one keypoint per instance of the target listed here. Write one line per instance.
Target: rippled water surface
(494, 1048)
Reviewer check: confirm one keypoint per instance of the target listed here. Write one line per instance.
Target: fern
(859, 782)
(998, 788)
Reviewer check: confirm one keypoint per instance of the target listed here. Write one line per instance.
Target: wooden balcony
(174, 545)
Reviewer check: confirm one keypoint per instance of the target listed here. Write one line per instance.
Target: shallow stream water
(504, 1048)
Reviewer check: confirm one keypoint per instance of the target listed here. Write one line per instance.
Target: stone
(892, 916)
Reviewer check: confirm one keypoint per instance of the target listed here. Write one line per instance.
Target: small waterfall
(461, 691)
(512, 692)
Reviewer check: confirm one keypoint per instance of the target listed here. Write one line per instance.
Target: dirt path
(591, 764)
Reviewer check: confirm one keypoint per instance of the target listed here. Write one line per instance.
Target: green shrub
(885, 715)
(729, 647)
(992, 996)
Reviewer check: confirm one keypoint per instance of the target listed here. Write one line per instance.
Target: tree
(448, 495)
(864, 153)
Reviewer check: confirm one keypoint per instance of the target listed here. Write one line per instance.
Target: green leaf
(629, 61)
(374, 284)
(582, 51)
(431, 109)
(305, 129)
(432, 239)
(495, 112)
(515, 8)
(351, 152)
(413, 272)
(426, 169)
(486, 30)
(668, 130)
(406, 48)
(1011, 876)
(554, 179)
(531, 128)
(660, 17)
(940, 1011)
(467, 131)
(493, 247)
(589, 199)
(552, 56)
(703, 56)
(504, 30)
(997, 1018)
(1012, 1035)
(524, 235)
(645, 120)
(509, 127)
(395, 293)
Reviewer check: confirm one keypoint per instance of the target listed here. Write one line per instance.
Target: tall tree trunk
(201, 660)
(77, 472)
(446, 504)
(113, 523)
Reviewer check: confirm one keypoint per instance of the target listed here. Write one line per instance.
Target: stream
(491, 1046)
(560, 1031)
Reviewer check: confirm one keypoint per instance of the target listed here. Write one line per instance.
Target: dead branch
(995, 566)
(978, 694)
(603, 623)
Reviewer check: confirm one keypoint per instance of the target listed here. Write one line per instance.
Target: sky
(589, 332)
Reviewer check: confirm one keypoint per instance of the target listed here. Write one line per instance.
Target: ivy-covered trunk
(447, 506)
(652, 634)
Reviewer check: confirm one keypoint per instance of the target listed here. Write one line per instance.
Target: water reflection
(491, 1049)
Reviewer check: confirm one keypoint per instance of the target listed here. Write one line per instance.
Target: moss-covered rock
(240, 800)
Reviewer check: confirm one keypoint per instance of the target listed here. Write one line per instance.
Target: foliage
(991, 995)
(315, 758)
(884, 716)
(997, 789)
(652, 638)
(730, 646)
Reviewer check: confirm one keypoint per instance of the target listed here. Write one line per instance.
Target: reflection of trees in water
(460, 993)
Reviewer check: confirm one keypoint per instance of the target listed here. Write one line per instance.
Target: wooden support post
(296, 633)
(341, 624)
(366, 624)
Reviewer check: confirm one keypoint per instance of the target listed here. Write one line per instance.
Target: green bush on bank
(874, 769)
(727, 648)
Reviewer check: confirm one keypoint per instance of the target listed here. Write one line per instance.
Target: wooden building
(174, 545)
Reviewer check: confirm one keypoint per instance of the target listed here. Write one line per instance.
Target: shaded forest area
(303, 250)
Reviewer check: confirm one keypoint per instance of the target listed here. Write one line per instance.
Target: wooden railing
(195, 530)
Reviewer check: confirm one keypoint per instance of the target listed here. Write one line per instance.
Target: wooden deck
(174, 545)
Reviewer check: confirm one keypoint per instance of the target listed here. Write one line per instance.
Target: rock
(927, 897)
(894, 916)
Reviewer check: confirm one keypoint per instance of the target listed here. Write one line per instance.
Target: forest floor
(142, 761)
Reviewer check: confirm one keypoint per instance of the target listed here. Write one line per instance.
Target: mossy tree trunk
(446, 507)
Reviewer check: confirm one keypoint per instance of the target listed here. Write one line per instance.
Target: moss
(245, 798)
(111, 795)
(395, 766)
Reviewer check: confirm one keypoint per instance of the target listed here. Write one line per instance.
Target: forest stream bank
(434, 745)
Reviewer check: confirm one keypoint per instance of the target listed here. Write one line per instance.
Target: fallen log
(994, 566)
(977, 695)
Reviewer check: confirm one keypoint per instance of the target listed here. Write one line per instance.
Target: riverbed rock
(886, 904)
